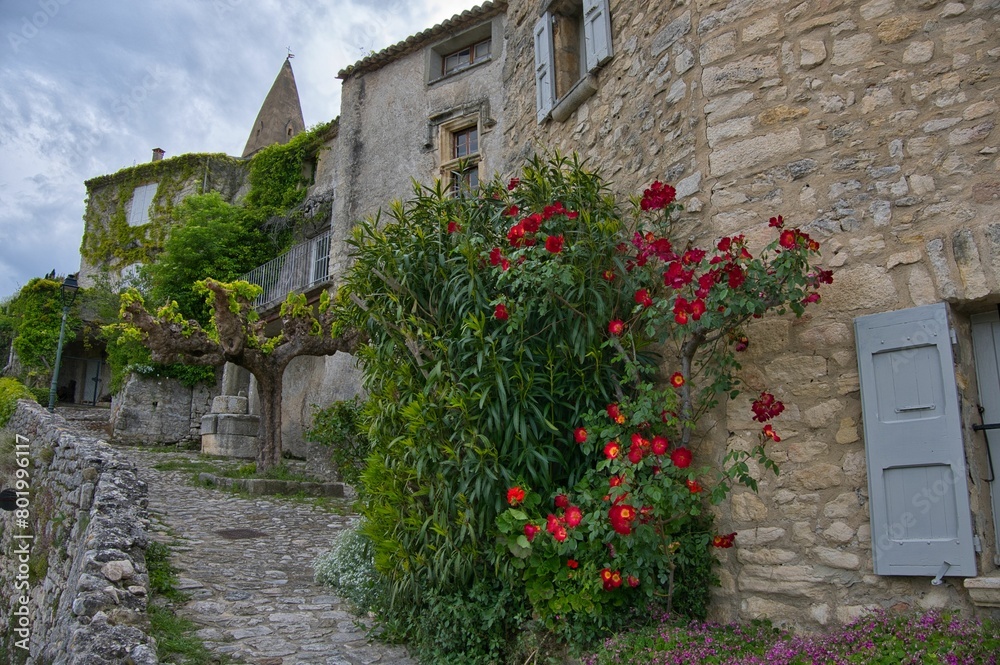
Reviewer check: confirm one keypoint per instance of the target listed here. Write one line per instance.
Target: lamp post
(67, 294)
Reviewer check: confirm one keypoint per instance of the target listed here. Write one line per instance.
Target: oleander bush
(539, 357)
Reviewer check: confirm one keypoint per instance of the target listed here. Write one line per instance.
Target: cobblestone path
(254, 594)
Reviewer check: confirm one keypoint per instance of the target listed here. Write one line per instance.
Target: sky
(88, 87)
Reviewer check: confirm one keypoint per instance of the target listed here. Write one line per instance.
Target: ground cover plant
(538, 358)
(880, 637)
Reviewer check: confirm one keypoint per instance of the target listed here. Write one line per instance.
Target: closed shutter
(545, 81)
(597, 32)
(986, 344)
(921, 523)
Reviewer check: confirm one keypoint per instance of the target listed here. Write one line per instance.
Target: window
(320, 258)
(457, 54)
(142, 199)
(572, 40)
(460, 153)
(466, 57)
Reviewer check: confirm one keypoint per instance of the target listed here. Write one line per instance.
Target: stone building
(869, 124)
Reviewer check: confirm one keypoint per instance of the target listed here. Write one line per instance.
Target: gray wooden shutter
(597, 32)
(545, 81)
(986, 344)
(921, 523)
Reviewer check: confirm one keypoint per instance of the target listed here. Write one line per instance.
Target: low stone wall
(156, 411)
(73, 577)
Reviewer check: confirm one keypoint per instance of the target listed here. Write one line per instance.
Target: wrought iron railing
(300, 268)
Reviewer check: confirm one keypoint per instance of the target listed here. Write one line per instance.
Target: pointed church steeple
(280, 116)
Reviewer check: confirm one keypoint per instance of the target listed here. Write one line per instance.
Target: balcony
(299, 269)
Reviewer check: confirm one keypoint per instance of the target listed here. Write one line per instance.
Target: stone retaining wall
(84, 575)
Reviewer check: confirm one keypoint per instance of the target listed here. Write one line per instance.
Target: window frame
(144, 195)
(437, 54)
(472, 58)
(458, 169)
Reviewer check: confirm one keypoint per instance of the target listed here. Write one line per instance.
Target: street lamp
(67, 294)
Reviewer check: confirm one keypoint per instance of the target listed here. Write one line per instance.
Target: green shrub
(11, 390)
(339, 427)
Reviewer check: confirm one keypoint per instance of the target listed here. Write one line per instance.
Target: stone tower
(280, 116)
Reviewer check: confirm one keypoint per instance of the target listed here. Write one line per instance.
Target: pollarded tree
(236, 334)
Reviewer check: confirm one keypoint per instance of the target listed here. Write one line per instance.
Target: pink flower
(530, 530)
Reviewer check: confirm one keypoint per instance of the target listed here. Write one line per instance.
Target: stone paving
(253, 591)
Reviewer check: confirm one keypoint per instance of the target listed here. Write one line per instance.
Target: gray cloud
(91, 86)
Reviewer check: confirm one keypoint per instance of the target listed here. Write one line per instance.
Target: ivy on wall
(31, 320)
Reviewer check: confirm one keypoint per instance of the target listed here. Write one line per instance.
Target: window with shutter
(920, 516)
(986, 346)
(545, 89)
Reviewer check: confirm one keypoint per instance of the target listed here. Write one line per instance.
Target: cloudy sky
(91, 86)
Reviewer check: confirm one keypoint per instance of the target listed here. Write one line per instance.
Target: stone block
(241, 447)
(747, 507)
(838, 532)
(970, 267)
(917, 53)
(767, 556)
(852, 50)
(719, 79)
(755, 151)
(717, 48)
(896, 29)
(230, 404)
(817, 476)
(838, 558)
(845, 505)
(812, 53)
(823, 414)
(759, 536)
(861, 287)
(985, 591)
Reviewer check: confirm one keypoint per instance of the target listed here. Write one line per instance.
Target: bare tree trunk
(269, 434)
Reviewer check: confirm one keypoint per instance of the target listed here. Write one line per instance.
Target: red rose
(530, 530)
(681, 458)
(659, 445)
(554, 244)
(500, 312)
(693, 486)
(621, 517)
(616, 327)
(515, 495)
(635, 454)
(658, 196)
(515, 236)
(642, 298)
(580, 435)
(532, 222)
(615, 481)
(608, 275)
(633, 581)
(677, 379)
(770, 433)
(776, 222)
(560, 533)
(572, 563)
(612, 449)
(724, 541)
(562, 501)
(787, 239)
(573, 516)
(512, 211)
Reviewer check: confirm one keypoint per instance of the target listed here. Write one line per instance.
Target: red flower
(622, 516)
(633, 581)
(812, 297)
(776, 222)
(693, 256)
(504, 264)
(612, 450)
(658, 196)
(530, 530)
(515, 495)
(742, 343)
(560, 533)
(512, 211)
(787, 239)
(681, 458)
(616, 327)
(642, 298)
(677, 379)
(514, 182)
(572, 214)
(659, 445)
(453, 227)
(573, 516)
(572, 563)
(724, 541)
(612, 579)
(770, 433)
(608, 275)
(724, 244)
(495, 256)
(614, 413)
(693, 486)
(635, 454)
(532, 222)
(562, 501)
(736, 276)
(554, 244)
(676, 276)
(500, 312)
(615, 481)
(515, 236)
(580, 435)
(552, 523)
(766, 407)
(697, 309)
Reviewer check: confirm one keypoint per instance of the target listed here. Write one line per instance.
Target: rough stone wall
(309, 383)
(88, 520)
(388, 137)
(871, 125)
(156, 411)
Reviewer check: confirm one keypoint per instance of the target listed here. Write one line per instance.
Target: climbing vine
(32, 319)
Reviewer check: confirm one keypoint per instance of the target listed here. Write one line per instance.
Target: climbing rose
(562, 501)
(573, 516)
(615, 414)
(615, 481)
(554, 244)
(515, 236)
(633, 581)
(766, 407)
(622, 516)
(770, 433)
(515, 495)
(612, 449)
(572, 563)
(742, 343)
(580, 435)
(512, 211)
(635, 454)
(724, 541)
(532, 222)
(776, 222)
(659, 445)
(495, 256)
(500, 312)
(530, 530)
(560, 533)
(616, 327)
(677, 379)
(642, 298)
(693, 486)
(658, 196)
(681, 458)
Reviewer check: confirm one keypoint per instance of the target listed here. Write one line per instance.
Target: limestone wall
(871, 125)
(153, 411)
(84, 579)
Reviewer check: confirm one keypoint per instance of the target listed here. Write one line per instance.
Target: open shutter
(545, 81)
(597, 32)
(921, 523)
(986, 344)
